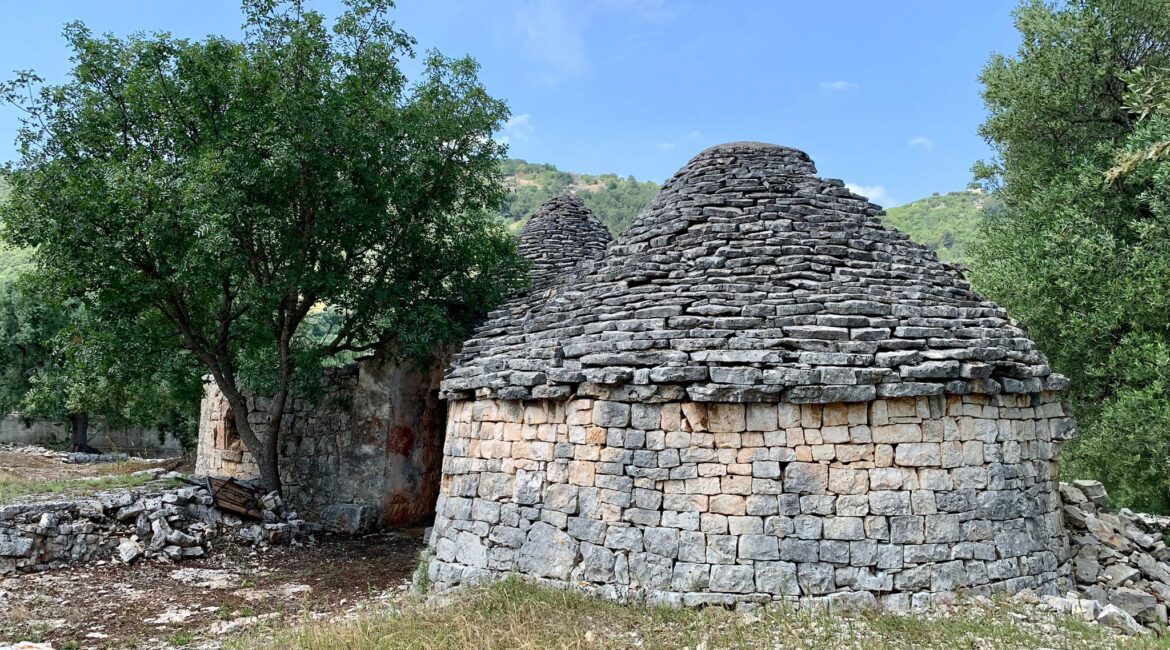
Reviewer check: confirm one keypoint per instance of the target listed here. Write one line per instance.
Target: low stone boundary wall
(169, 524)
(1119, 559)
(135, 441)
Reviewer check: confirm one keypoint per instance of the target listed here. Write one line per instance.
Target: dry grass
(14, 488)
(24, 475)
(512, 614)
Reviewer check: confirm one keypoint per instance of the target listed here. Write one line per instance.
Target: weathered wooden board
(233, 497)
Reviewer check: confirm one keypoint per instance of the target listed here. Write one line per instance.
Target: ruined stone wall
(136, 441)
(151, 522)
(896, 501)
(364, 453)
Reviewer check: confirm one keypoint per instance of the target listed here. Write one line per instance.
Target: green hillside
(615, 200)
(946, 223)
(13, 261)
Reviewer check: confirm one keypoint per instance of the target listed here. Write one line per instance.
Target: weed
(422, 573)
(515, 614)
(12, 489)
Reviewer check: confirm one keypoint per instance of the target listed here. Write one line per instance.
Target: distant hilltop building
(758, 393)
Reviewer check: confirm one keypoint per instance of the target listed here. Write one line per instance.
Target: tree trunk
(79, 439)
(271, 479)
(261, 444)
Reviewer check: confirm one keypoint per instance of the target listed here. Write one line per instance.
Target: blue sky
(882, 94)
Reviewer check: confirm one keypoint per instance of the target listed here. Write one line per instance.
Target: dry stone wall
(137, 441)
(168, 524)
(895, 502)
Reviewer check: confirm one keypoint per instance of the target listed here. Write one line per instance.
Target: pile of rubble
(1120, 561)
(155, 521)
(81, 457)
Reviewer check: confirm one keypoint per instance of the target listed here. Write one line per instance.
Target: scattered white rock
(287, 591)
(1118, 619)
(171, 616)
(206, 578)
(129, 550)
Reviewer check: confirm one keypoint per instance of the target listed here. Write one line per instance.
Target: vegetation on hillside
(1079, 120)
(947, 223)
(13, 261)
(615, 200)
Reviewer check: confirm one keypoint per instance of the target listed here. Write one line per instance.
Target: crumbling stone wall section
(151, 522)
(364, 453)
(896, 501)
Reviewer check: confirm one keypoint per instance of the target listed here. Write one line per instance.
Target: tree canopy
(214, 193)
(1081, 252)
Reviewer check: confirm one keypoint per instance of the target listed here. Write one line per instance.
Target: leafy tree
(57, 364)
(211, 194)
(28, 331)
(1081, 250)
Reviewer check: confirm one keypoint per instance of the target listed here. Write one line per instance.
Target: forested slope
(948, 223)
(614, 199)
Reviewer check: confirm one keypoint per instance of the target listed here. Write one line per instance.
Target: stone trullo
(758, 393)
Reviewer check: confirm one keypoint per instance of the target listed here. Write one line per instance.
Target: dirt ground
(195, 603)
(22, 464)
(199, 603)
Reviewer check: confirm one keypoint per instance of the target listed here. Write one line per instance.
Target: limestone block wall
(895, 502)
(364, 453)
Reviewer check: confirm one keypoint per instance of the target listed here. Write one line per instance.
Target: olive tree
(1081, 250)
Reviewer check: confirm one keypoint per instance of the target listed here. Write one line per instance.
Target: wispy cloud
(518, 128)
(653, 11)
(875, 193)
(922, 142)
(685, 140)
(552, 38)
(551, 32)
(839, 86)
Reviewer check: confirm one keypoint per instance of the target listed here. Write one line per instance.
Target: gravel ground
(199, 603)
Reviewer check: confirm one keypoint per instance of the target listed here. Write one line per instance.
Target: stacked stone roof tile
(561, 234)
(749, 278)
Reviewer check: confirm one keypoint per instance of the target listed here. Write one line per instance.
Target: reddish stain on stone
(400, 440)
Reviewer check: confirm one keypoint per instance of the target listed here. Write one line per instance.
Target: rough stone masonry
(759, 392)
(154, 522)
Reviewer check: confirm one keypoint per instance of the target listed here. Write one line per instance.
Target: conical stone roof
(749, 278)
(561, 234)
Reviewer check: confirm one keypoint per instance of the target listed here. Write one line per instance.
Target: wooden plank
(233, 497)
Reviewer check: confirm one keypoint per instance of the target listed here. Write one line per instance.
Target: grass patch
(512, 614)
(14, 489)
